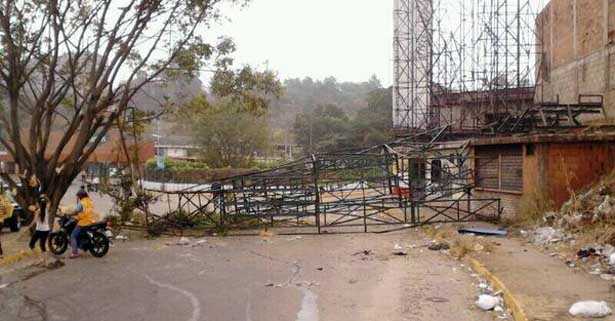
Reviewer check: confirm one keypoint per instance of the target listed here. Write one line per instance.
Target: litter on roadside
(439, 246)
(590, 309)
(364, 252)
(487, 302)
(547, 235)
(483, 231)
(399, 250)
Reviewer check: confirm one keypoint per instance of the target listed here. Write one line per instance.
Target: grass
(532, 208)
(460, 245)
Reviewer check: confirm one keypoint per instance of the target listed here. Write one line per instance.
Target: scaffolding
(477, 53)
(406, 183)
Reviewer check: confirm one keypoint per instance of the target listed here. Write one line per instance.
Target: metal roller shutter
(500, 168)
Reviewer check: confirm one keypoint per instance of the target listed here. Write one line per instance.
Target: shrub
(532, 208)
(173, 165)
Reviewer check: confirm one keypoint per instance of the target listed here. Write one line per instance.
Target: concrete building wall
(576, 52)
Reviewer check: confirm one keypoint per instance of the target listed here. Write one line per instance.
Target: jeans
(74, 237)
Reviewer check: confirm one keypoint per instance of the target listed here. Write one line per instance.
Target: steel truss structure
(483, 51)
(375, 190)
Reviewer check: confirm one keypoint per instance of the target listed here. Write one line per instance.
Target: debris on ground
(364, 252)
(399, 250)
(436, 299)
(483, 231)
(547, 235)
(56, 264)
(121, 237)
(586, 252)
(183, 241)
(490, 300)
(590, 309)
(199, 243)
(439, 246)
(487, 302)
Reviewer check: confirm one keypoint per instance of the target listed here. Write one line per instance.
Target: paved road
(308, 278)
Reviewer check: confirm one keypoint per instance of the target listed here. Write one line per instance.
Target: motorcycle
(92, 238)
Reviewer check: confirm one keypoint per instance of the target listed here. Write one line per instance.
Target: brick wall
(577, 52)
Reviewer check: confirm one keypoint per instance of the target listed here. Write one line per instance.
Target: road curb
(511, 302)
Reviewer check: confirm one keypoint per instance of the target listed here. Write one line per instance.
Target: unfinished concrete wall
(576, 52)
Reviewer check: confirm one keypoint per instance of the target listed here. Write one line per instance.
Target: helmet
(82, 194)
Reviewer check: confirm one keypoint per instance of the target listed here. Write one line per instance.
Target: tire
(58, 242)
(24, 218)
(13, 223)
(99, 245)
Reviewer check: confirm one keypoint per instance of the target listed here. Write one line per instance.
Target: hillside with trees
(305, 95)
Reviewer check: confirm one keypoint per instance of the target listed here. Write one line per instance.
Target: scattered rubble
(439, 246)
(547, 235)
(121, 238)
(590, 309)
(184, 241)
(487, 302)
(436, 299)
(586, 217)
(490, 300)
(364, 252)
(483, 231)
(399, 250)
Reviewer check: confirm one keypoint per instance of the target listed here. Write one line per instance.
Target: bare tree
(74, 65)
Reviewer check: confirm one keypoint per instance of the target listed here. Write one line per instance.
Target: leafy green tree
(249, 88)
(229, 136)
(326, 129)
(373, 125)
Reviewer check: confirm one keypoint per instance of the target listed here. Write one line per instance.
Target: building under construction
(495, 101)
(525, 83)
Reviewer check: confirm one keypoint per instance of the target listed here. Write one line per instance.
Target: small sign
(160, 162)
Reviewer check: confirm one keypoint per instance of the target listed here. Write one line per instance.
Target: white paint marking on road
(196, 306)
(309, 307)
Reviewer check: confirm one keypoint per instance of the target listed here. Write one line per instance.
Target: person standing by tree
(85, 61)
(42, 229)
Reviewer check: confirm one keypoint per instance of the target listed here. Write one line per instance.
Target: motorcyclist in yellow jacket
(84, 212)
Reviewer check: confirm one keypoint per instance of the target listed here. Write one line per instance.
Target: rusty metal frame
(364, 191)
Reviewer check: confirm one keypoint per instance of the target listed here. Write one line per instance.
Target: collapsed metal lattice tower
(380, 189)
(479, 50)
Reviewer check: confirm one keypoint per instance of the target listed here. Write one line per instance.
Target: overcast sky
(348, 39)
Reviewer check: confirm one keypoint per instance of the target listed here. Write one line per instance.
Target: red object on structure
(401, 191)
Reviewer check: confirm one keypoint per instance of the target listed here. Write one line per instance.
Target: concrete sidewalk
(544, 286)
